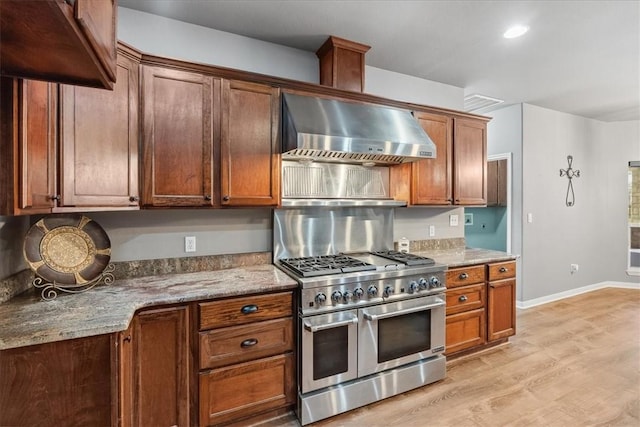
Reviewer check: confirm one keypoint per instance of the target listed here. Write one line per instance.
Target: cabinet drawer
(238, 311)
(465, 330)
(465, 276)
(246, 389)
(502, 270)
(235, 344)
(465, 298)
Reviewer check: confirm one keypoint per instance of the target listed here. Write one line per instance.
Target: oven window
(404, 335)
(330, 352)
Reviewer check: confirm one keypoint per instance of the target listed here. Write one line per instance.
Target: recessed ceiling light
(515, 31)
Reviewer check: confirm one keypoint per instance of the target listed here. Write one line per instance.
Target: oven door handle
(315, 328)
(374, 317)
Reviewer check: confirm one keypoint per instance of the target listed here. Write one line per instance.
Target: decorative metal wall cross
(570, 173)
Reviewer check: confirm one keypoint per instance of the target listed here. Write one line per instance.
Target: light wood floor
(574, 362)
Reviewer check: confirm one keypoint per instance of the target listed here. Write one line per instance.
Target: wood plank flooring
(574, 362)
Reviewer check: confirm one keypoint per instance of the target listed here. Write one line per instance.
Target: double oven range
(371, 320)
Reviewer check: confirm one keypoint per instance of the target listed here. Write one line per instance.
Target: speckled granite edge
(21, 281)
(437, 244)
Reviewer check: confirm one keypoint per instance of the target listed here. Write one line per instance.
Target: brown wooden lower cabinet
(465, 330)
(156, 351)
(65, 383)
(241, 390)
(481, 307)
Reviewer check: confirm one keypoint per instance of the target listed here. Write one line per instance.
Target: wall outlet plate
(404, 244)
(453, 220)
(190, 243)
(432, 230)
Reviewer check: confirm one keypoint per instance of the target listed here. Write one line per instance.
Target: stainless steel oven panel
(322, 324)
(368, 338)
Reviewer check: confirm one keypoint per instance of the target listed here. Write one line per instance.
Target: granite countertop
(459, 257)
(27, 320)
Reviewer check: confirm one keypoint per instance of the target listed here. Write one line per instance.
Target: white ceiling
(579, 57)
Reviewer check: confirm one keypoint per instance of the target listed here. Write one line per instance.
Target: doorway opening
(490, 227)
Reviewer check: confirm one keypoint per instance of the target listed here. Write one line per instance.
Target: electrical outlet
(404, 244)
(574, 268)
(190, 243)
(432, 230)
(453, 220)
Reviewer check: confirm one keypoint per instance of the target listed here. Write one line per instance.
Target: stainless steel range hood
(334, 131)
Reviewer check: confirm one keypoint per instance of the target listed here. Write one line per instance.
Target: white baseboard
(572, 292)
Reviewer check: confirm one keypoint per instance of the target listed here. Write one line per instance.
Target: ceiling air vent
(477, 102)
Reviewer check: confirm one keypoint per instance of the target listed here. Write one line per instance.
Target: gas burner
(325, 264)
(405, 257)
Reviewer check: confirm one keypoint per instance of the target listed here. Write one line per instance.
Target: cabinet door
(64, 383)
(470, 162)
(161, 367)
(492, 183)
(502, 183)
(501, 309)
(465, 330)
(432, 177)
(99, 142)
(178, 137)
(249, 135)
(246, 389)
(28, 147)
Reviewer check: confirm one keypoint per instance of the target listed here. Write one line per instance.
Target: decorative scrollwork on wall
(570, 173)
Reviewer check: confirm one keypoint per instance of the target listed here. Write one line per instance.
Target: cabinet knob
(225, 198)
(127, 338)
(249, 343)
(55, 197)
(134, 198)
(463, 276)
(207, 197)
(503, 270)
(462, 298)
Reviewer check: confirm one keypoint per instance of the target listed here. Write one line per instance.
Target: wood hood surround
(342, 64)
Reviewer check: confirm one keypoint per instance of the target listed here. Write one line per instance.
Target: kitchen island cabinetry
(62, 383)
(250, 172)
(155, 368)
(480, 306)
(246, 357)
(458, 174)
(178, 137)
(59, 41)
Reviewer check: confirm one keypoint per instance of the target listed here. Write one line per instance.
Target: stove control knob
(413, 287)
(372, 291)
(347, 296)
(434, 282)
(358, 293)
(423, 283)
(336, 297)
(388, 290)
(320, 299)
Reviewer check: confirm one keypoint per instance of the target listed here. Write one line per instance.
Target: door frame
(509, 158)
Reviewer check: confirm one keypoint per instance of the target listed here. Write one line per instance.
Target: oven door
(329, 349)
(394, 334)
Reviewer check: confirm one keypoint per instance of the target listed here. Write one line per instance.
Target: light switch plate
(453, 220)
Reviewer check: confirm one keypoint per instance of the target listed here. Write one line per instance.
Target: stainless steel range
(371, 320)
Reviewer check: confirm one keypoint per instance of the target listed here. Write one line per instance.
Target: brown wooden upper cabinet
(249, 144)
(81, 156)
(497, 182)
(59, 41)
(457, 176)
(179, 136)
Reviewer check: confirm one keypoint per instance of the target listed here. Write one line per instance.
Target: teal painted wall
(489, 228)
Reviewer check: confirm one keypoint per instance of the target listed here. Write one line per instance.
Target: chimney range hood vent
(335, 131)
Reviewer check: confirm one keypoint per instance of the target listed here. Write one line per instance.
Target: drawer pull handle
(462, 298)
(464, 276)
(248, 309)
(249, 343)
(503, 270)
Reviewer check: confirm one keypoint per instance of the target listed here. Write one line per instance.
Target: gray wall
(593, 232)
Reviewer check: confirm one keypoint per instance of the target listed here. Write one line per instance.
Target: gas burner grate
(325, 264)
(405, 257)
